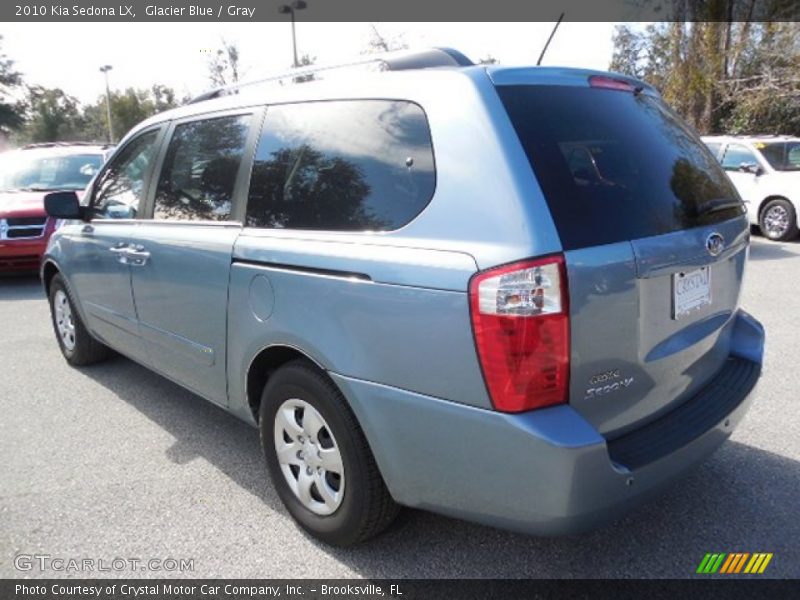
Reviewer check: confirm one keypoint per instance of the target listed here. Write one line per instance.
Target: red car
(26, 175)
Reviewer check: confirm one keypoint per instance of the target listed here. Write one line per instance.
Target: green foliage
(12, 112)
(722, 77)
(52, 116)
(40, 114)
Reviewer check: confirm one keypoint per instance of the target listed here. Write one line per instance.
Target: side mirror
(63, 205)
(753, 168)
(120, 211)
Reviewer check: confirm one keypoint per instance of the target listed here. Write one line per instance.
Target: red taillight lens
(520, 318)
(609, 83)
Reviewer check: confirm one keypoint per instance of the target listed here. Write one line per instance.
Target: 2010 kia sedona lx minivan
(508, 295)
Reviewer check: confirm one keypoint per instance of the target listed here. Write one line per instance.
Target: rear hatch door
(655, 241)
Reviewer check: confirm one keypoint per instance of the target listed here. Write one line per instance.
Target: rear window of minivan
(349, 165)
(616, 165)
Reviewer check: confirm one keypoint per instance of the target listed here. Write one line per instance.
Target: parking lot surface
(114, 461)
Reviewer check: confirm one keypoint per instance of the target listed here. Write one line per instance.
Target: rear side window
(200, 167)
(356, 165)
(782, 156)
(616, 166)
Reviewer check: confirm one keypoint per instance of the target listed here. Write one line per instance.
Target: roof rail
(402, 60)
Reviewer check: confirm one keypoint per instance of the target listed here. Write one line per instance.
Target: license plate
(691, 290)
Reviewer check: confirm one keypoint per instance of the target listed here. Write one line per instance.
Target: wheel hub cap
(64, 323)
(309, 457)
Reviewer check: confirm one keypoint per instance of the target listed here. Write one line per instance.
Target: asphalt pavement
(113, 461)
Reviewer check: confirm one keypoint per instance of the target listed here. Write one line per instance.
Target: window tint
(118, 192)
(792, 157)
(616, 166)
(344, 166)
(782, 156)
(774, 153)
(735, 155)
(200, 167)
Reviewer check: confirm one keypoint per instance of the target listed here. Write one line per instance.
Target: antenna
(552, 33)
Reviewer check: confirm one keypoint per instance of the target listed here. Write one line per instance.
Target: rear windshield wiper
(719, 205)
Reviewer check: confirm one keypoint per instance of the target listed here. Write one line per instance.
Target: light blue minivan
(508, 295)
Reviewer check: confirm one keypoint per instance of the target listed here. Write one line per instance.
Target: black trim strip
(303, 269)
(711, 405)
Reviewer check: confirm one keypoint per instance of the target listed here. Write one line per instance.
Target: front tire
(319, 459)
(778, 220)
(76, 343)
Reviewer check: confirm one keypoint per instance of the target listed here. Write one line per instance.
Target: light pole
(104, 70)
(289, 9)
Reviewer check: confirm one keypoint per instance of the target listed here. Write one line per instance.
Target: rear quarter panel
(404, 322)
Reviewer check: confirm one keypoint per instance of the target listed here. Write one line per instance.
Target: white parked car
(766, 173)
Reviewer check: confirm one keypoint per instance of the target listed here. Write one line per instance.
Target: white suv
(766, 173)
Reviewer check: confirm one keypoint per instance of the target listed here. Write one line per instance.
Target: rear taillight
(520, 318)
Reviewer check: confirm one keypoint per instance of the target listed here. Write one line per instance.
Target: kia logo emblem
(715, 243)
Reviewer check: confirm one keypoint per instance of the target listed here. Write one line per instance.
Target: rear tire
(326, 477)
(778, 220)
(76, 343)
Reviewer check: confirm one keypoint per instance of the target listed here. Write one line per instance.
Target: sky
(176, 54)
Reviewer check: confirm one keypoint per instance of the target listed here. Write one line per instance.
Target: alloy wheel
(776, 221)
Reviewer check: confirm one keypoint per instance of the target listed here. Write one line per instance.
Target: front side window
(200, 168)
(364, 165)
(737, 155)
(119, 190)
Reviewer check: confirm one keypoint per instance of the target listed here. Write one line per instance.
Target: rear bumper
(547, 471)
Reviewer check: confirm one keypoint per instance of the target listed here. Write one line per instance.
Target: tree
(766, 85)
(223, 66)
(128, 108)
(12, 112)
(722, 72)
(164, 98)
(380, 43)
(52, 116)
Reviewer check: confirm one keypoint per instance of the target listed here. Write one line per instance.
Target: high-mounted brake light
(520, 319)
(610, 83)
